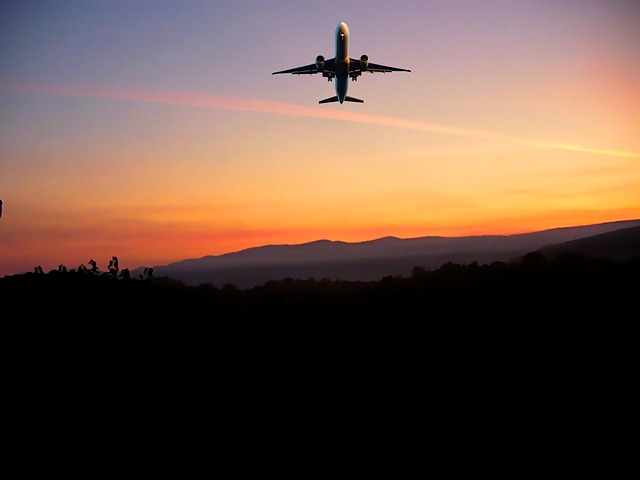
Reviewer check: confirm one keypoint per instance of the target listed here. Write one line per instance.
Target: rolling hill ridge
(374, 259)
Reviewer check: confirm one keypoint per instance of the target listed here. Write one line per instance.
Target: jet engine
(320, 62)
(364, 61)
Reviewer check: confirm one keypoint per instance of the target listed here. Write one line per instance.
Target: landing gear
(329, 76)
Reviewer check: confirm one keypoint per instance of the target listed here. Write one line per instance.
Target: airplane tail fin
(346, 99)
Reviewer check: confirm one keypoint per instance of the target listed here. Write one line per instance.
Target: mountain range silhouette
(374, 259)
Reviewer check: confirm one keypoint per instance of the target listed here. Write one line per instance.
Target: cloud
(194, 99)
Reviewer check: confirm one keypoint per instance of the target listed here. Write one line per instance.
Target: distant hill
(617, 245)
(374, 259)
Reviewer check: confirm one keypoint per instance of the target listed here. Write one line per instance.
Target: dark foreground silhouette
(544, 327)
(563, 286)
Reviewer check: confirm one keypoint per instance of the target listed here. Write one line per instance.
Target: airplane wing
(373, 67)
(329, 67)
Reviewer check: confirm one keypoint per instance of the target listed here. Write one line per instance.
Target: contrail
(279, 108)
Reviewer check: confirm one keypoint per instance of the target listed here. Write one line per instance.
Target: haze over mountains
(375, 259)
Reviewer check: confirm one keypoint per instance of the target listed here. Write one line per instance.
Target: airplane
(341, 67)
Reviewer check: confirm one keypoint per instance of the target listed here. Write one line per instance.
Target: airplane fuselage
(342, 61)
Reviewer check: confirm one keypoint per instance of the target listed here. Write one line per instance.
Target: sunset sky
(154, 131)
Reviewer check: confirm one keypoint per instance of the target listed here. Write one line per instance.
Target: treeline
(545, 286)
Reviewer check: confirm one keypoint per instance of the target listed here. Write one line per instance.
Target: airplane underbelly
(342, 86)
(342, 69)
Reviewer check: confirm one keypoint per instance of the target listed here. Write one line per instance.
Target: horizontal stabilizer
(329, 100)
(346, 99)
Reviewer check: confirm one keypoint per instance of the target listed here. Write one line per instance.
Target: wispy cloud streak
(250, 105)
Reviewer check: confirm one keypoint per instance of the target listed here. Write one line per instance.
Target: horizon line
(411, 238)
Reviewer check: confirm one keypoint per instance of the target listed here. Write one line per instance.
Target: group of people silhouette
(114, 269)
